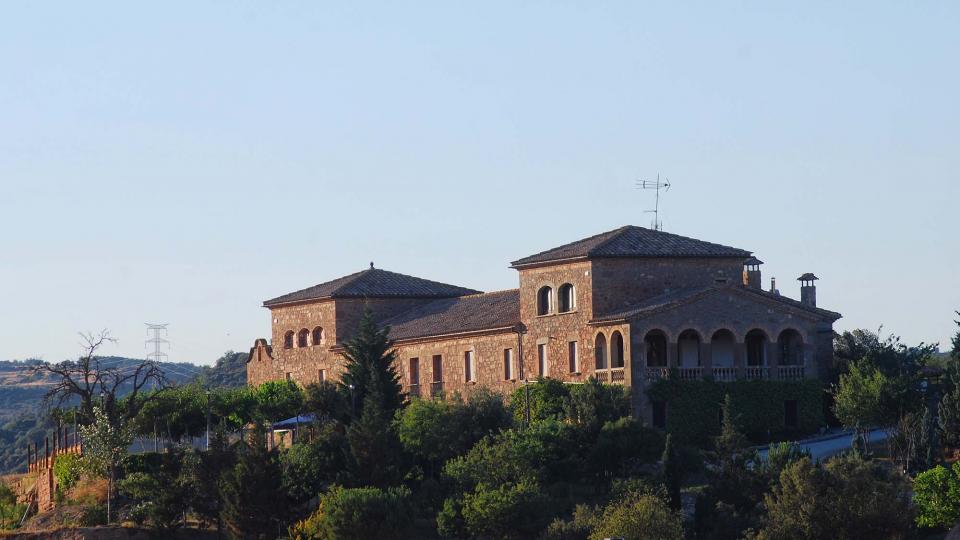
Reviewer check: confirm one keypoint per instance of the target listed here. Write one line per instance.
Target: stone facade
(630, 318)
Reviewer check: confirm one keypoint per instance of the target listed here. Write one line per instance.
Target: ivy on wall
(693, 408)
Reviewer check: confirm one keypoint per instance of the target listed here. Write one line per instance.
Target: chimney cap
(808, 277)
(752, 261)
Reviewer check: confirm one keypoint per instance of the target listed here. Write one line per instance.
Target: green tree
(161, 496)
(732, 502)
(936, 493)
(205, 471)
(105, 445)
(847, 499)
(593, 404)
(376, 449)
(547, 399)
(638, 517)
(857, 399)
(309, 467)
(278, 400)
(252, 492)
(515, 510)
(358, 513)
(327, 401)
(672, 472)
(435, 431)
(370, 367)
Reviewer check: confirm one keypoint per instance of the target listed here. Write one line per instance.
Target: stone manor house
(628, 306)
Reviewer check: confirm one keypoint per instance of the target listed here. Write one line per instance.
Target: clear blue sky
(184, 161)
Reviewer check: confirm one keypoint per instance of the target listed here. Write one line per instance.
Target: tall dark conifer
(370, 356)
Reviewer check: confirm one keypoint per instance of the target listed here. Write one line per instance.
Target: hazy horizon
(182, 163)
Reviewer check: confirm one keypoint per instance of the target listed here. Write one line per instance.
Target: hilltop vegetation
(24, 417)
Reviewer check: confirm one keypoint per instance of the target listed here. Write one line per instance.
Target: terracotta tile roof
(373, 283)
(632, 241)
(472, 313)
(691, 294)
(666, 300)
(832, 315)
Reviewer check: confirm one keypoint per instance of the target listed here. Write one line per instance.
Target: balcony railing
(413, 390)
(724, 374)
(756, 372)
(689, 373)
(790, 372)
(436, 389)
(610, 375)
(657, 373)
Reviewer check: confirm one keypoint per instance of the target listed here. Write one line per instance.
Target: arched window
(721, 348)
(600, 350)
(756, 342)
(790, 345)
(616, 350)
(302, 337)
(688, 349)
(317, 335)
(568, 298)
(544, 299)
(656, 342)
(288, 340)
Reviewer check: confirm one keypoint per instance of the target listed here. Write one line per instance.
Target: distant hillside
(23, 412)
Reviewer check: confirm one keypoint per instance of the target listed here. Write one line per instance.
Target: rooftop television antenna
(157, 330)
(656, 185)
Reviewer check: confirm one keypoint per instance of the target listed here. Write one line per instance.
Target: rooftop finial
(371, 265)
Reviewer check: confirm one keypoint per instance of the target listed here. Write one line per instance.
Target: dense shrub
(936, 493)
(848, 498)
(310, 466)
(358, 513)
(66, 469)
(638, 517)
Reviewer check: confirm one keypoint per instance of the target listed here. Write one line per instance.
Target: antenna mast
(157, 341)
(655, 185)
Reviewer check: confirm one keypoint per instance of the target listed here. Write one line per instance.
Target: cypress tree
(370, 369)
(672, 472)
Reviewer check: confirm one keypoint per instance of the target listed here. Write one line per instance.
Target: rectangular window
(322, 375)
(791, 413)
(572, 357)
(414, 371)
(289, 376)
(508, 364)
(542, 360)
(437, 368)
(469, 369)
(660, 414)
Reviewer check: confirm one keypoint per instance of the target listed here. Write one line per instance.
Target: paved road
(825, 448)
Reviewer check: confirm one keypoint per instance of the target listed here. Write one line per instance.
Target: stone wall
(618, 283)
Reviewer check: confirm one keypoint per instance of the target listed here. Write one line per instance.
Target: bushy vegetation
(553, 460)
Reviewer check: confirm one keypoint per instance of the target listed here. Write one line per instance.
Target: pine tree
(370, 365)
(252, 494)
(672, 472)
(375, 445)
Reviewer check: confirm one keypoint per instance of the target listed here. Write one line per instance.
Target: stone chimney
(773, 286)
(751, 273)
(808, 291)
